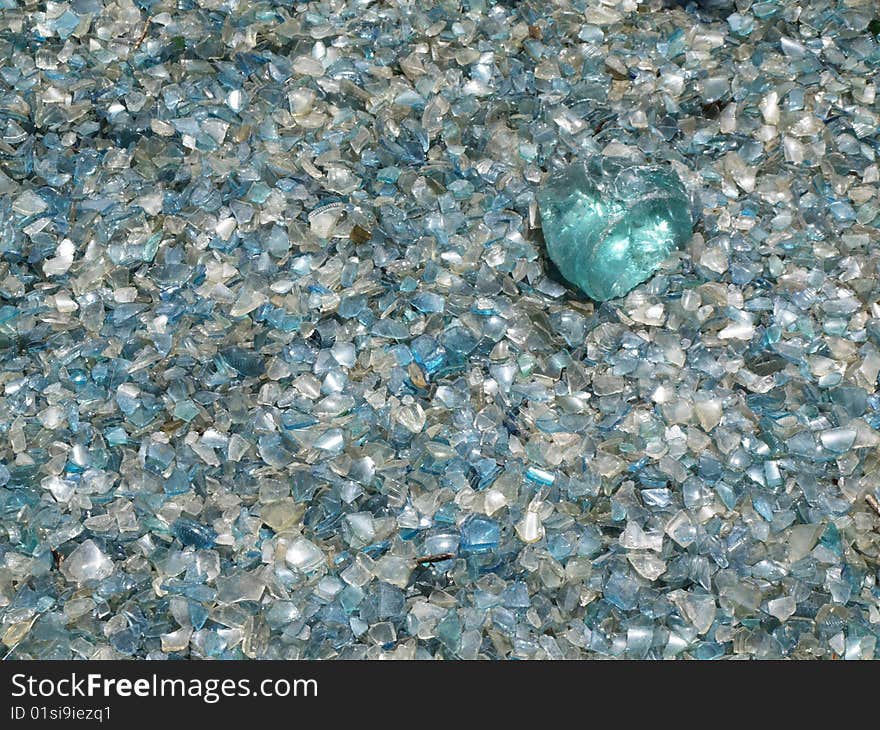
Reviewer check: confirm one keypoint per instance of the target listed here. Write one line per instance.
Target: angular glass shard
(87, 562)
(304, 555)
(246, 362)
(394, 570)
(247, 301)
(698, 608)
(647, 565)
(608, 224)
(838, 440)
(176, 640)
(782, 608)
(239, 587)
(191, 532)
(479, 534)
(622, 591)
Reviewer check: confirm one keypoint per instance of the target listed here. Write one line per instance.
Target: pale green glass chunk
(609, 224)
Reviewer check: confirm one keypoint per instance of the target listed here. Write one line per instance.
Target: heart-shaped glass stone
(609, 224)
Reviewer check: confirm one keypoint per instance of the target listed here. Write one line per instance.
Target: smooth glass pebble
(609, 224)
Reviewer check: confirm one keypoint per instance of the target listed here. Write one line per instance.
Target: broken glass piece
(191, 532)
(87, 563)
(304, 555)
(479, 534)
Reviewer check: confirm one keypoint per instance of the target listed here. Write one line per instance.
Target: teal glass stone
(609, 224)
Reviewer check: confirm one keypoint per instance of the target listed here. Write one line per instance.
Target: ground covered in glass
(286, 371)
